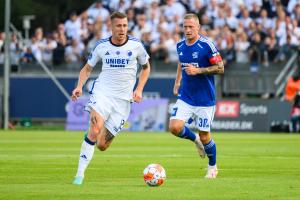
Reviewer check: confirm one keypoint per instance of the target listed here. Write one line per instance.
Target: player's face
(190, 29)
(119, 29)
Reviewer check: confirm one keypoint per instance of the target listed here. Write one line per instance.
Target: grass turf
(37, 165)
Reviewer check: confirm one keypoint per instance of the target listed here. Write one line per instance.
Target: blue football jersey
(197, 90)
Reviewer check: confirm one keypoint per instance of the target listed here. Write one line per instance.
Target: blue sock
(88, 140)
(187, 134)
(211, 151)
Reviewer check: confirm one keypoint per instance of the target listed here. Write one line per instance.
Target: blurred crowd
(245, 31)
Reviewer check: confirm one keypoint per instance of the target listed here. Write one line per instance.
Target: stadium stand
(255, 37)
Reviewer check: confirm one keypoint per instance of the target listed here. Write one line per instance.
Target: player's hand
(191, 69)
(137, 96)
(77, 92)
(175, 89)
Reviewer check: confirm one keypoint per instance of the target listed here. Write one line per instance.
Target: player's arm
(83, 76)
(217, 68)
(144, 75)
(177, 80)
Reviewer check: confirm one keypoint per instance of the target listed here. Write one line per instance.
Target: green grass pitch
(40, 165)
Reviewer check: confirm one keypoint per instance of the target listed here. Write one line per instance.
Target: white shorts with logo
(114, 111)
(195, 116)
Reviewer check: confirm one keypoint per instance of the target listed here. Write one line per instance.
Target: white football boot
(212, 172)
(200, 147)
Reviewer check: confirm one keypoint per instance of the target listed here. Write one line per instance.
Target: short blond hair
(119, 15)
(192, 16)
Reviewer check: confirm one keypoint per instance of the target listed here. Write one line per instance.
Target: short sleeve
(143, 56)
(93, 57)
(213, 53)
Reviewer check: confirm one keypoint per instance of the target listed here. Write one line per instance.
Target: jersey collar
(118, 45)
(194, 42)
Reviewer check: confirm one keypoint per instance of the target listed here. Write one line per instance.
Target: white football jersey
(119, 66)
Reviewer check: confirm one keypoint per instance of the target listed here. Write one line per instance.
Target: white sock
(86, 155)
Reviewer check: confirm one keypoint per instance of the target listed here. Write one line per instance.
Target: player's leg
(114, 123)
(182, 112)
(104, 139)
(205, 116)
(211, 152)
(87, 147)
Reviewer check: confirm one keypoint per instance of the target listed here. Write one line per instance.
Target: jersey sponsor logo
(117, 62)
(195, 54)
(228, 109)
(183, 65)
(215, 59)
(107, 53)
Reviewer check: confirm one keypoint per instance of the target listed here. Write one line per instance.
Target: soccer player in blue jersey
(194, 86)
(112, 91)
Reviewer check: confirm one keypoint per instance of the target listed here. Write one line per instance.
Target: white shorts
(196, 116)
(114, 111)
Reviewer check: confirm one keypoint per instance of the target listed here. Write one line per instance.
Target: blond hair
(192, 16)
(117, 15)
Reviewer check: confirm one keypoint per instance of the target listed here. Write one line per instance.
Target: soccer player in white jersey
(194, 86)
(112, 92)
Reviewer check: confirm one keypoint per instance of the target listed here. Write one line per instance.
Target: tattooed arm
(217, 68)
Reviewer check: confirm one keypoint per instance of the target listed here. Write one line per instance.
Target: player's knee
(204, 137)
(102, 146)
(175, 129)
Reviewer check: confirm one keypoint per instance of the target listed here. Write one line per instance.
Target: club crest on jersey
(129, 53)
(118, 52)
(195, 54)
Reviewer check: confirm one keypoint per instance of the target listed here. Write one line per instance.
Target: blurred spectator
(106, 29)
(15, 51)
(255, 11)
(97, 11)
(131, 18)
(172, 9)
(255, 52)
(159, 49)
(264, 20)
(61, 41)
(27, 56)
(271, 44)
(47, 49)
(72, 27)
(147, 42)
(119, 5)
(35, 48)
(172, 56)
(74, 52)
(231, 20)
(241, 47)
(141, 26)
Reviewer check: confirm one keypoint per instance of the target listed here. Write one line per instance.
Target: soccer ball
(154, 175)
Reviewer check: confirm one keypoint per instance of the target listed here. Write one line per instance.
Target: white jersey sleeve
(143, 56)
(93, 57)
